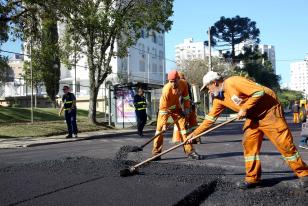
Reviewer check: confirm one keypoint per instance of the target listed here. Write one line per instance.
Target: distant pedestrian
(302, 113)
(295, 110)
(69, 106)
(140, 109)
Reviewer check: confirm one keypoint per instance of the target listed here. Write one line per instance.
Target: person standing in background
(140, 109)
(69, 106)
(295, 110)
(302, 113)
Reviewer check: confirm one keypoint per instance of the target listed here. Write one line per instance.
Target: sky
(282, 23)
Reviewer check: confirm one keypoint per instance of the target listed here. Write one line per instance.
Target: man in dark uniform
(69, 106)
(140, 109)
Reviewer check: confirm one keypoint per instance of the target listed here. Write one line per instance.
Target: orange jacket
(240, 93)
(170, 99)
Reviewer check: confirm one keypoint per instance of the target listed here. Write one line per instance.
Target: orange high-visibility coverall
(192, 125)
(264, 117)
(169, 105)
(191, 119)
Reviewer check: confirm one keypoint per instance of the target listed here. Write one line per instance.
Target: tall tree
(232, 31)
(50, 57)
(35, 22)
(98, 25)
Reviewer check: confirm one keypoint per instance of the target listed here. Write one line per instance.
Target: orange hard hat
(172, 75)
(181, 75)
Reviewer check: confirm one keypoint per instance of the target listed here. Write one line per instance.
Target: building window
(154, 66)
(154, 38)
(160, 40)
(154, 53)
(142, 66)
(161, 69)
(161, 55)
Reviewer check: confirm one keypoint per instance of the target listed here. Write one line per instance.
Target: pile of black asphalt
(89, 181)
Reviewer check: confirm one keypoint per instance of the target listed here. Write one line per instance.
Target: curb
(84, 138)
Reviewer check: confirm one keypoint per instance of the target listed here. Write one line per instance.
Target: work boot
(69, 136)
(195, 156)
(303, 143)
(303, 183)
(243, 185)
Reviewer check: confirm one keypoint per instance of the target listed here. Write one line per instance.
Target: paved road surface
(86, 173)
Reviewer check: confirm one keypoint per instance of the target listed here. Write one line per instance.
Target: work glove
(164, 128)
(242, 114)
(189, 137)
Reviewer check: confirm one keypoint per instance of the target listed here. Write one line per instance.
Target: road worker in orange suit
(264, 116)
(169, 106)
(191, 119)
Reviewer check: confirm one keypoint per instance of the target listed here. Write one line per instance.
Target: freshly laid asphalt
(87, 173)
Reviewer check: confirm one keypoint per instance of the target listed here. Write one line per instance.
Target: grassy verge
(15, 122)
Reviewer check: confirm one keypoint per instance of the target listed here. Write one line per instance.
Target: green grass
(15, 122)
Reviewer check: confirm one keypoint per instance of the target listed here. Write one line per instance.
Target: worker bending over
(264, 116)
(191, 118)
(169, 106)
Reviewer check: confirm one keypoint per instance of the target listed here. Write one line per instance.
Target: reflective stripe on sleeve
(141, 108)
(252, 158)
(172, 107)
(184, 131)
(161, 112)
(68, 102)
(292, 158)
(210, 118)
(141, 102)
(258, 94)
(186, 97)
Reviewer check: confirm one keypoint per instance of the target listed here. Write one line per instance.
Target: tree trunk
(93, 103)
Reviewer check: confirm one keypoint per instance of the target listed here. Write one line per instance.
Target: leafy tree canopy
(231, 31)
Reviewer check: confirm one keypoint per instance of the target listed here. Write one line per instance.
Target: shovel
(133, 169)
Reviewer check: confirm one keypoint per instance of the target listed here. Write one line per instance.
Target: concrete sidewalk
(8, 143)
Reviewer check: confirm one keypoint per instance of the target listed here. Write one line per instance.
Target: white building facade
(144, 64)
(16, 84)
(193, 50)
(299, 76)
(269, 50)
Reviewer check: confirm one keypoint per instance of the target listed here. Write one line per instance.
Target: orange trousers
(158, 141)
(193, 124)
(274, 126)
(295, 117)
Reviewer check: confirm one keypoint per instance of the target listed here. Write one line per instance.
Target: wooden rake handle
(179, 145)
(161, 132)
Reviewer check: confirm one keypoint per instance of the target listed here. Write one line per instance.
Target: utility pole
(31, 74)
(128, 66)
(210, 62)
(75, 62)
(148, 68)
(210, 50)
